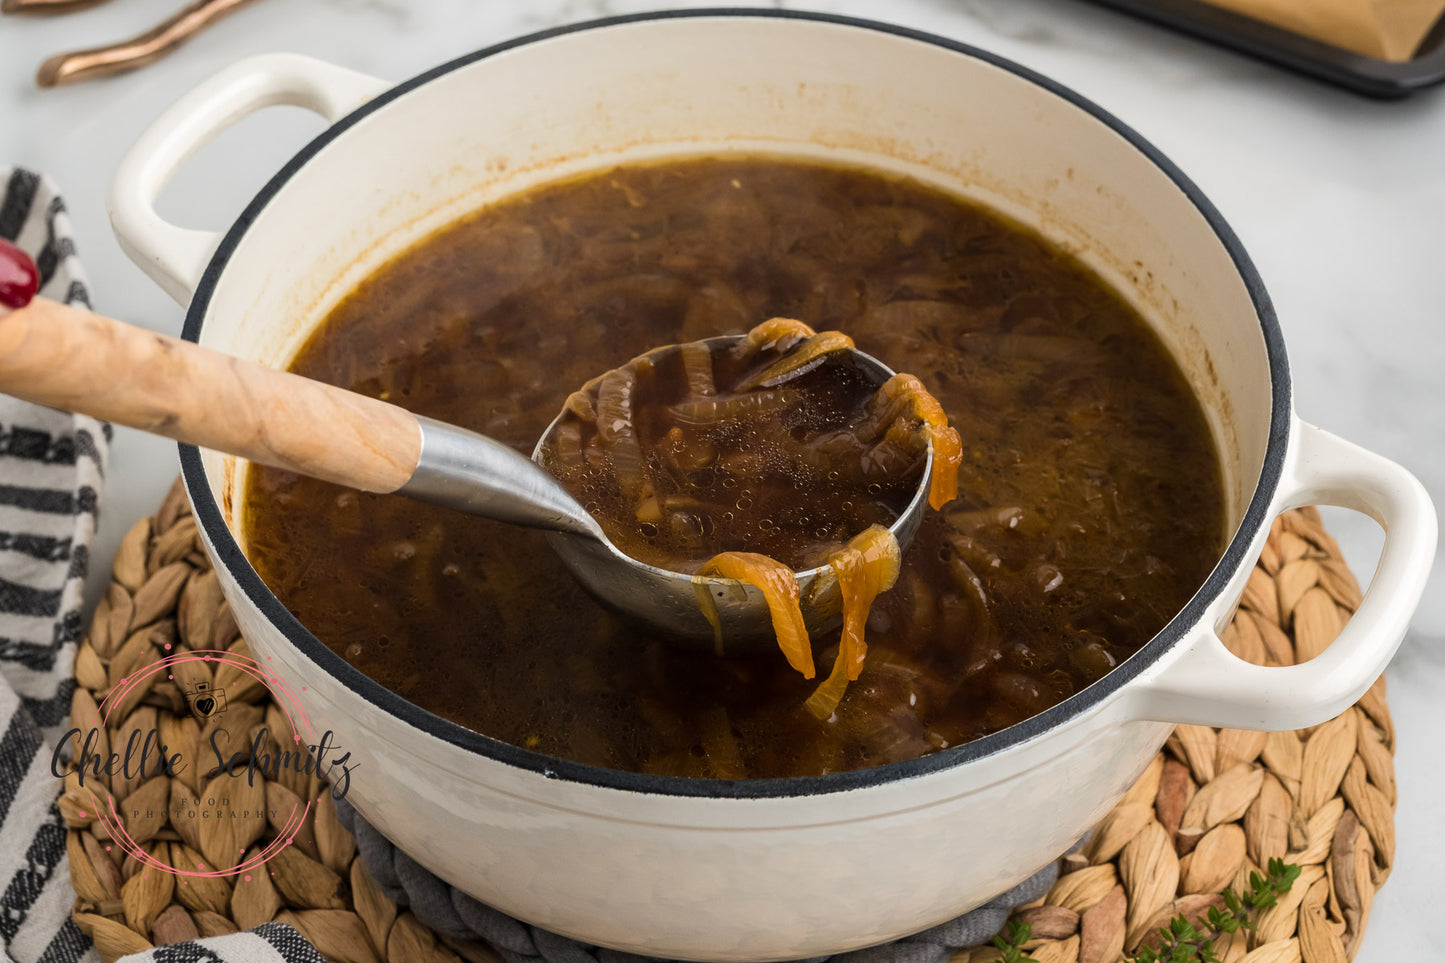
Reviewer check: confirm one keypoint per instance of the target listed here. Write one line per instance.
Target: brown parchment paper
(1387, 29)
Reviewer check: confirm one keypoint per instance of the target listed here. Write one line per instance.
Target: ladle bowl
(667, 601)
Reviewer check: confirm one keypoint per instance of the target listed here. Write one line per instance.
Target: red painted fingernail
(19, 280)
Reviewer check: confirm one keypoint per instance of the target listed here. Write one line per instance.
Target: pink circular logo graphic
(209, 705)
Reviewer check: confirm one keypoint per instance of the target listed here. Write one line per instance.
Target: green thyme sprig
(1011, 946)
(1183, 941)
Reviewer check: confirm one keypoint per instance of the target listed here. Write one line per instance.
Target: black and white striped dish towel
(52, 465)
(51, 468)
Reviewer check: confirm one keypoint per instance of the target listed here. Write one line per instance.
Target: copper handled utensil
(69, 68)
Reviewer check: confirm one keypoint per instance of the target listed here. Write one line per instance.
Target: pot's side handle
(1208, 685)
(175, 257)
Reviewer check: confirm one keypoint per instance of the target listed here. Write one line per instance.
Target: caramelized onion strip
(697, 365)
(947, 459)
(901, 396)
(617, 433)
(780, 588)
(866, 567)
(579, 404)
(713, 411)
(802, 359)
(776, 330)
(568, 446)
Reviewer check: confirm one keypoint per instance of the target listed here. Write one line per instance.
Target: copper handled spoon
(71, 359)
(132, 54)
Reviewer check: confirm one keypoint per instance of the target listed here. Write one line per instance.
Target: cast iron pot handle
(1208, 685)
(175, 257)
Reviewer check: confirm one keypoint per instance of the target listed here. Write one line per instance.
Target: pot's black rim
(208, 513)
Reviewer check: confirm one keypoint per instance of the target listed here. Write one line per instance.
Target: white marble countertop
(1338, 199)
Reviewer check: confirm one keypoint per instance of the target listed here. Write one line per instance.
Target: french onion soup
(1089, 505)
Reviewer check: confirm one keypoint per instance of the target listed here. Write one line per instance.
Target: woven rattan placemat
(1213, 806)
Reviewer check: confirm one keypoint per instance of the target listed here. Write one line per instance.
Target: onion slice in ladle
(779, 585)
(866, 567)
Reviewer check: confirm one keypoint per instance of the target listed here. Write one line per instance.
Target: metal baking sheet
(1363, 75)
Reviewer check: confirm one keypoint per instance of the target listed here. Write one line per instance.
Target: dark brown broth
(1090, 503)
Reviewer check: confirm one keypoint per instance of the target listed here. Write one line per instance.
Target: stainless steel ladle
(667, 601)
(65, 358)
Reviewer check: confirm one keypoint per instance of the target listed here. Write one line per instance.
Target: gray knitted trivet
(450, 912)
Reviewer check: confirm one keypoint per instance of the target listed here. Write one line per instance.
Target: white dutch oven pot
(775, 869)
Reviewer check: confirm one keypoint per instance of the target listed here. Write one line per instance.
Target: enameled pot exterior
(784, 869)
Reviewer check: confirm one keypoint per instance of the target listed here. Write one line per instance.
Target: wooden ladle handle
(59, 356)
